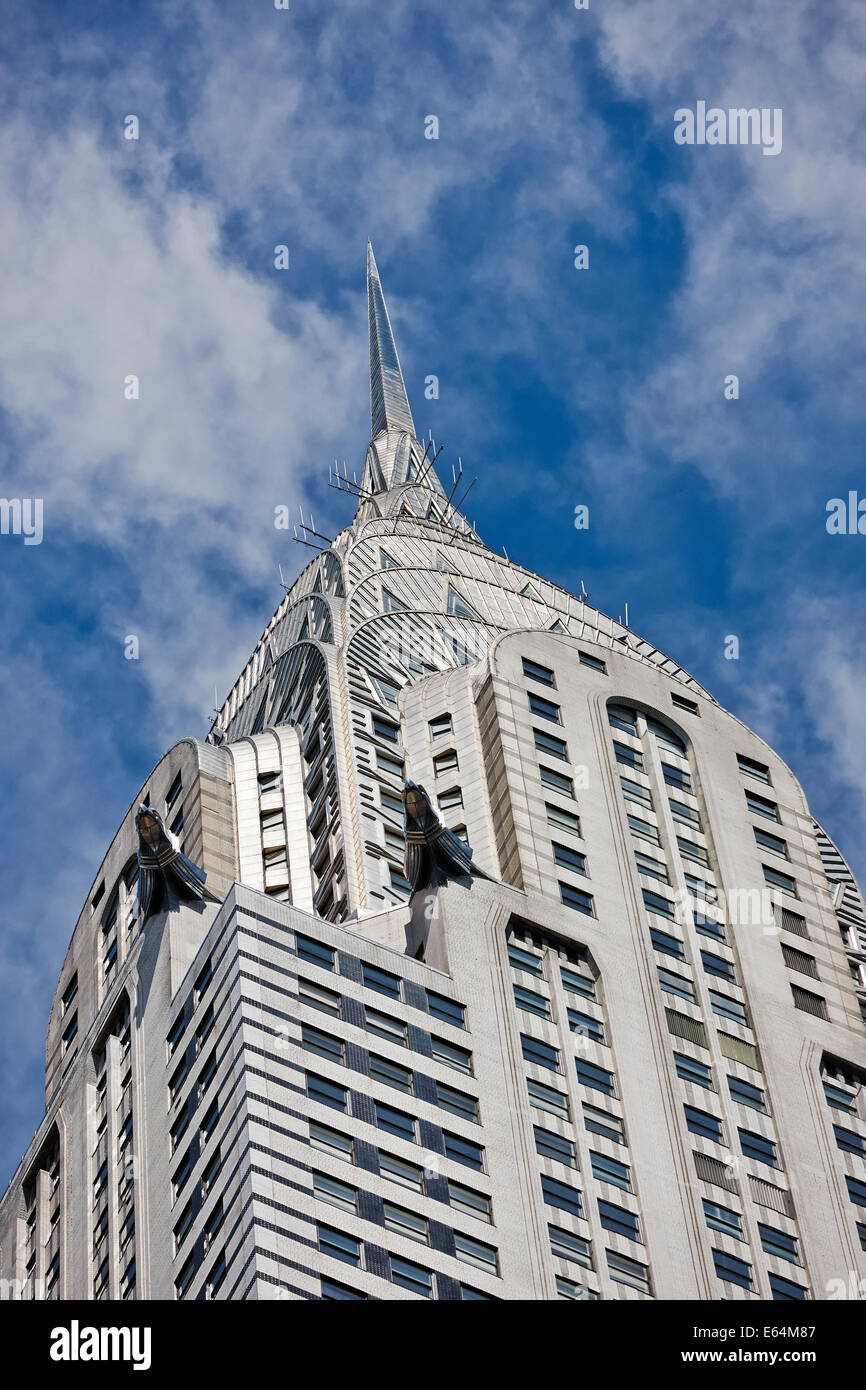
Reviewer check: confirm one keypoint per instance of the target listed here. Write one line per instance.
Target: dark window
(554, 1146)
(717, 965)
(576, 898)
(771, 842)
(446, 1009)
(464, 1151)
(603, 1123)
(594, 662)
(622, 718)
(577, 984)
(339, 1245)
(323, 1043)
(676, 777)
(394, 1121)
(732, 1270)
(530, 1002)
(633, 791)
(548, 743)
(750, 768)
(720, 1218)
(746, 1094)
(391, 1074)
(383, 728)
(666, 944)
(568, 1246)
(618, 1219)
(315, 952)
(785, 1289)
(381, 981)
(562, 819)
(594, 1077)
(691, 1070)
(408, 1275)
(534, 672)
(585, 1025)
(333, 1291)
(856, 1191)
(176, 1033)
(654, 902)
(777, 879)
(457, 1102)
(394, 1029)
(556, 781)
(672, 983)
(539, 1053)
(559, 1194)
(605, 1169)
(700, 1122)
(779, 1243)
(761, 806)
(327, 1092)
(849, 1141)
(204, 979)
(567, 858)
(629, 757)
(545, 709)
(547, 1098)
(524, 960)
(757, 1147)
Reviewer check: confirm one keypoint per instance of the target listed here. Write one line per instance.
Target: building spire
(389, 404)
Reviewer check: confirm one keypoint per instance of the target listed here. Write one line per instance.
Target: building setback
(623, 1060)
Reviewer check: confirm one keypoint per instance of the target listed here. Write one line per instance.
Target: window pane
(610, 1170)
(451, 1055)
(554, 1146)
(746, 1094)
(535, 672)
(600, 1122)
(539, 1053)
(594, 1077)
(457, 1102)
(394, 1121)
(524, 960)
(381, 981)
(531, 1002)
(560, 1194)
(314, 952)
(618, 1219)
(399, 1170)
(545, 709)
(475, 1252)
(446, 1009)
(331, 1141)
(411, 1276)
(546, 1098)
(340, 1245)
(576, 898)
(406, 1223)
(467, 1200)
(569, 1246)
(338, 1194)
(701, 1122)
(576, 983)
(326, 1092)
(464, 1151)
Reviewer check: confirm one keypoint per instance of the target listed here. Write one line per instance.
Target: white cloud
(234, 411)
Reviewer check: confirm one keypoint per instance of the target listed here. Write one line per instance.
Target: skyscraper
(623, 1058)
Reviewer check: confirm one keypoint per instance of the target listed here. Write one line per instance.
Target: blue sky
(557, 386)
